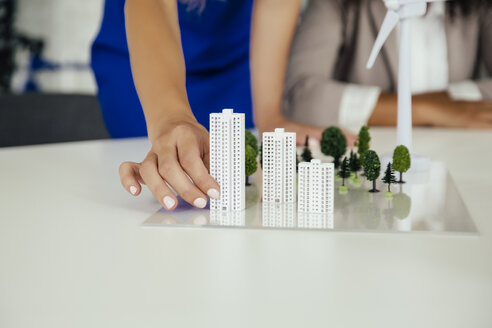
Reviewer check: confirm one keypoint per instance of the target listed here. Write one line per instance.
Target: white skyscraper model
(279, 166)
(316, 184)
(227, 164)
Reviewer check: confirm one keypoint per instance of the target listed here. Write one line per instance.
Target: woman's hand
(179, 155)
(179, 158)
(302, 130)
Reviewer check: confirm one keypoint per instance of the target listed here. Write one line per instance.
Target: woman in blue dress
(163, 65)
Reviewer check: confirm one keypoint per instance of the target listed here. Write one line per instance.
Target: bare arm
(157, 61)
(180, 145)
(273, 25)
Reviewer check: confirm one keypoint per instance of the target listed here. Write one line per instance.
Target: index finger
(194, 165)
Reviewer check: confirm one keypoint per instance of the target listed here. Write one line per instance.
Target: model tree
(261, 155)
(251, 140)
(297, 163)
(401, 161)
(354, 164)
(389, 178)
(251, 163)
(362, 142)
(333, 143)
(344, 173)
(372, 168)
(306, 155)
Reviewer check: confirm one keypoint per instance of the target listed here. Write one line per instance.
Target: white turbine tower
(401, 11)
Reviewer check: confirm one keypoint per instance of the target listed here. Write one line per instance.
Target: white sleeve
(465, 90)
(357, 105)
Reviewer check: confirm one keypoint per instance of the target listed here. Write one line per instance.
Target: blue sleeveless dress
(216, 51)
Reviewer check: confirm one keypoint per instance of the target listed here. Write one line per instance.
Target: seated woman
(328, 83)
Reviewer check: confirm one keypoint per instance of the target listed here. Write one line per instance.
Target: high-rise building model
(279, 166)
(227, 164)
(315, 188)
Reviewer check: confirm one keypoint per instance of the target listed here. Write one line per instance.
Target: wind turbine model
(400, 11)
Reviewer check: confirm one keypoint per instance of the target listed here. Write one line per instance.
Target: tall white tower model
(279, 166)
(316, 183)
(227, 160)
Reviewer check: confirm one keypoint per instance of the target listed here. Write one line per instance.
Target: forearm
(386, 111)
(157, 60)
(273, 25)
(434, 109)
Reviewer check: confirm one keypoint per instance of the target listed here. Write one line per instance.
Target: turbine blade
(389, 23)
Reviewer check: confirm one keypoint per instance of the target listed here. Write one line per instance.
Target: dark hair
(463, 7)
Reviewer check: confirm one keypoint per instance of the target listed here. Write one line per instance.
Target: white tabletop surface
(74, 253)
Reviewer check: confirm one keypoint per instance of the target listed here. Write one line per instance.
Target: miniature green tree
(297, 163)
(250, 139)
(389, 178)
(362, 142)
(401, 161)
(372, 168)
(306, 155)
(251, 163)
(344, 173)
(261, 155)
(333, 143)
(354, 163)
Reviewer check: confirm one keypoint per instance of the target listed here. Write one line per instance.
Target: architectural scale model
(316, 184)
(227, 160)
(279, 166)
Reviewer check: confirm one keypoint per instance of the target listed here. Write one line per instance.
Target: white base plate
(428, 202)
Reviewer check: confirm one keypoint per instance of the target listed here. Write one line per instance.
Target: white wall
(68, 27)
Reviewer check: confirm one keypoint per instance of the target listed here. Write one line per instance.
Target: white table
(73, 253)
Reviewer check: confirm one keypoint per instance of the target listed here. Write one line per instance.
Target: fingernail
(133, 190)
(213, 193)
(169, 202)
(200, 203)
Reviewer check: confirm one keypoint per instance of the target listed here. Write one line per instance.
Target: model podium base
(429, 202)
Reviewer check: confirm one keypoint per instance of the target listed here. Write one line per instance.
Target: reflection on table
(428, 202)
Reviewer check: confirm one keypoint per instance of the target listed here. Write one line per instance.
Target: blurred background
(47, 88)
(48, 92)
